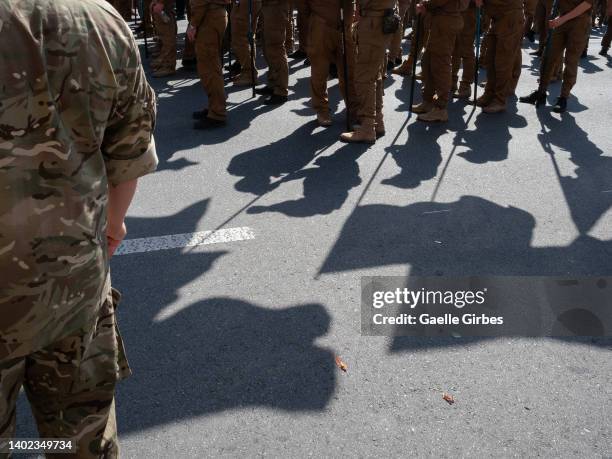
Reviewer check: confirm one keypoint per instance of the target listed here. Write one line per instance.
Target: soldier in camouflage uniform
(76, 121)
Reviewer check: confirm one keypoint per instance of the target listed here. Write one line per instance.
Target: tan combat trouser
(189, 51)
(303, 17)
(542, 14)
(607, 38)
(571, 37)
(485, 25)
(395, 51)
(166, 32)
(437, 59)
(505, 37)
(325, 47)
(240, 31)
(208, 44)
(464, 54)
(289, 41)
(71, 387)
(423, 35)
(275, 15)
(370, 66)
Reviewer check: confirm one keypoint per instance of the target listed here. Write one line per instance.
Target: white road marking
(178, 241)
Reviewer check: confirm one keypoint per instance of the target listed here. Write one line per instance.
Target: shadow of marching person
(494, 145)
(326, 186)
(288, 155)
(419, 158)
(589, 192)
(196, 358)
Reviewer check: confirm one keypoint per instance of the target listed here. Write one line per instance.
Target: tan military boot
(494, 107)
(161, 73)
(324, 119)
(423, 107)
(244, 79)
(366, 133)
(405, 69)
(379, 125)
(464, 91)
(484, 100)
(435, 115)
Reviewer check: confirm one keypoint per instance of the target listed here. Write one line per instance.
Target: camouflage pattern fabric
(70, 386)
(76, 114)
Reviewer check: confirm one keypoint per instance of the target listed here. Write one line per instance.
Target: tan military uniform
(165, 26)
(209, 17)
(570, 38)
(463, 54)
(70, 128)
(275, 13)
(395, 50)
(240, 32)
(325, 47)
(415, 52)
(370, 60)
(446, 24)
(303, 18)
(505, 37)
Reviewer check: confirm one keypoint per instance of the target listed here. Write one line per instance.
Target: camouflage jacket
(76, 113)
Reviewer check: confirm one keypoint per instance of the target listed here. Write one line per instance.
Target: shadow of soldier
(326, 186)
(494, 146)
(223, 353)
(259, 166)
(587, 192)
(419, 158)
(211, 355)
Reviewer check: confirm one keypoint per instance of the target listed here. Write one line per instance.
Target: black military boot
(560, 105)
(604, 51)
(536, 98)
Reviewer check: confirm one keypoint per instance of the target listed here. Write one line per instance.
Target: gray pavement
(232, 345)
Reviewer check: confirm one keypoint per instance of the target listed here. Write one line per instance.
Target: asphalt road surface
(232, 339)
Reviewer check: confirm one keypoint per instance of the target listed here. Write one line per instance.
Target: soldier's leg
(320, 50)
(275, 21)
(576, 40)
(289, 35)
(303, 17)
(487, 97)
(350, 61)
(208, 43)
(607, 39)
(549, 68)
(167, 35)
(509, 30)
(395, 50)
(369, 63)
(189, 54)
(71, 386)
(12, 374)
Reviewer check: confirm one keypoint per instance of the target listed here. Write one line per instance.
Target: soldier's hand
(114, 236)
(556, 22)
(191, 32)
(420, 8)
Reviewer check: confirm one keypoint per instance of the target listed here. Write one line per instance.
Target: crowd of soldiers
(359, 42)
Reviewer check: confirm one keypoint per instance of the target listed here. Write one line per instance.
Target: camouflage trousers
(70, 386)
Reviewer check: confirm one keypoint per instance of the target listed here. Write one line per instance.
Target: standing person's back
(76, 121)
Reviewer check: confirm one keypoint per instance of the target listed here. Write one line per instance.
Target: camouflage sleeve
(128, 146)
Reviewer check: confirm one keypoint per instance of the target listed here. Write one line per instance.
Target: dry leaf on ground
(449, 398)
(343, 366)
